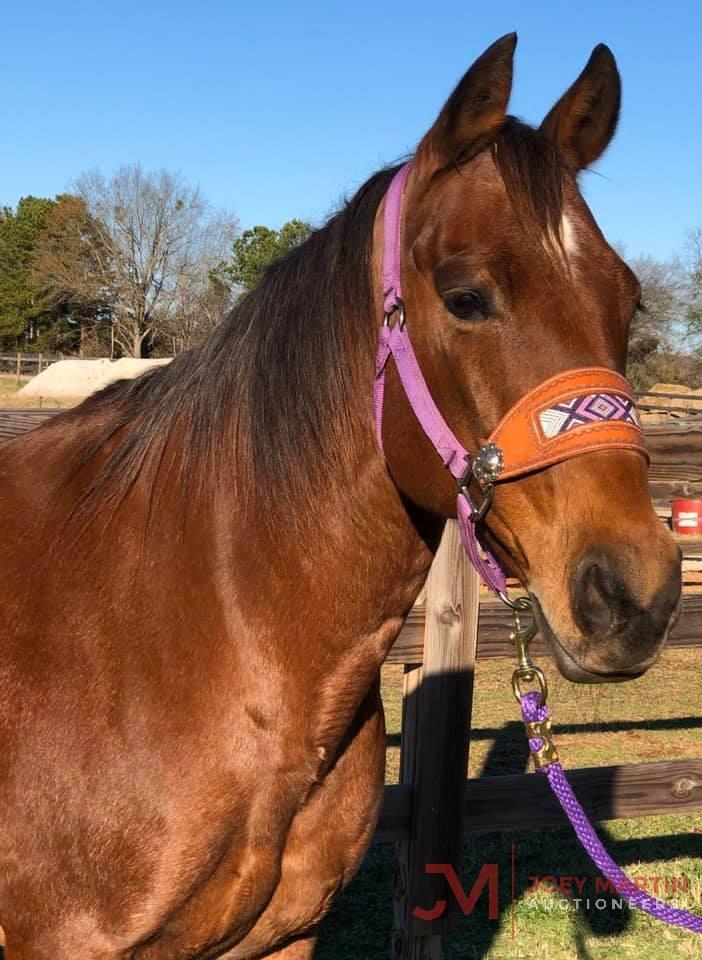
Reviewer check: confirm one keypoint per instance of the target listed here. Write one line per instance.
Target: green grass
(654, 718)
(10, 397)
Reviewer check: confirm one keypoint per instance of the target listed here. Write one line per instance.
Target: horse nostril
(621, 630)
(595, 599)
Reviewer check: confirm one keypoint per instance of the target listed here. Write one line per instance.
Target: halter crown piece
(575, 412)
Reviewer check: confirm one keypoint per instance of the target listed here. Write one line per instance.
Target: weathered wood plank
(402, 943)
(653, 395)
(606, 793)
(525, 801)
(395, 816)
(434, 755)
(496, 622)
(662, 492)
(15, 422)
(664, 408)
(676, 451)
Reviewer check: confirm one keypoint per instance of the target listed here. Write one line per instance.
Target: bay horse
(202, 570)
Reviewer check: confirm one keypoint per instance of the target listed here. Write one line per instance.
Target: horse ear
(583, 121)
(475, 110)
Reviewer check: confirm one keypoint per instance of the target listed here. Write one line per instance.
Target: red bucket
(687, 517)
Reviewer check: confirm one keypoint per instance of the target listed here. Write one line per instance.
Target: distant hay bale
(77, 379)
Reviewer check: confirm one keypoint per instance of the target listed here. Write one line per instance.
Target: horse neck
(330, 595)
(355, 549)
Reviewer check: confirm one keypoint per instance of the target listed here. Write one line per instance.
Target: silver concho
(488, 464)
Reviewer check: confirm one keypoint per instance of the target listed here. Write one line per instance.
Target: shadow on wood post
(437, 701)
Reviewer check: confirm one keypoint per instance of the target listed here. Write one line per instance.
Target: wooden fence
(433, 806)
(27, 364)
(15, 422)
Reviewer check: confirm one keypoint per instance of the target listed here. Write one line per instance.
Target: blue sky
(281, 109)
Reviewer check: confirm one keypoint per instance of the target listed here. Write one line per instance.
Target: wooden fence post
(435, 727)
(19, 366)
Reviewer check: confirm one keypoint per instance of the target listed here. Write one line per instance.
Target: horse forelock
(533, 172)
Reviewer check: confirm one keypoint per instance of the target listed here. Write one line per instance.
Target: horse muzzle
(615, 632)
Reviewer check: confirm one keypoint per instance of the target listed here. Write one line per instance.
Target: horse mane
(271, 394)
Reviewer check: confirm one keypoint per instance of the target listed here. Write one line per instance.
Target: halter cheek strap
(576, 412)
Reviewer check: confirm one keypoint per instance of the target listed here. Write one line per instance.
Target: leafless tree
(200, 307)
(692, 265)
(661, 299)
(657, 332)
(154, 238)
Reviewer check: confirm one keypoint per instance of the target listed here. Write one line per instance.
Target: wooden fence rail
(15, 422)
(495, 622)
(525, 802)
(18, 363)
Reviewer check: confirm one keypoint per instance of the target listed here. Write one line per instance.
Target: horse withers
(202, 570)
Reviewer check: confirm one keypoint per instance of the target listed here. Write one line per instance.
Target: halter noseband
(575, 412)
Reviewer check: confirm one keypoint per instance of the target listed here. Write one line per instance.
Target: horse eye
(466, 304)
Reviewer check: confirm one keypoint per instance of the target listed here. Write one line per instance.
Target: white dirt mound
(76, 379)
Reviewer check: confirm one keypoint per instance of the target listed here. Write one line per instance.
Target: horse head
(508, 281)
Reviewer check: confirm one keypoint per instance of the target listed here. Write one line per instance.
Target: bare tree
(201, 306)
(154, 236)
(656, 331)
(692, 264)
(661, 299)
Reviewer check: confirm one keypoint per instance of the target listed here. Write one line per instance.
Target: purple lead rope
(533, 710)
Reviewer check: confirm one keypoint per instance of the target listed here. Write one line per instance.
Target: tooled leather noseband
(575, 412)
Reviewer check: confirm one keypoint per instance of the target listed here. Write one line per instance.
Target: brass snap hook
(521, 636)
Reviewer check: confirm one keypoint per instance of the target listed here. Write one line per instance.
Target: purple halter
(394, 341)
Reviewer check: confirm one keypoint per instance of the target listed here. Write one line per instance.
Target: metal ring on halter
(477, 511)
(527, 675)
(400, 308)
(521, 603)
